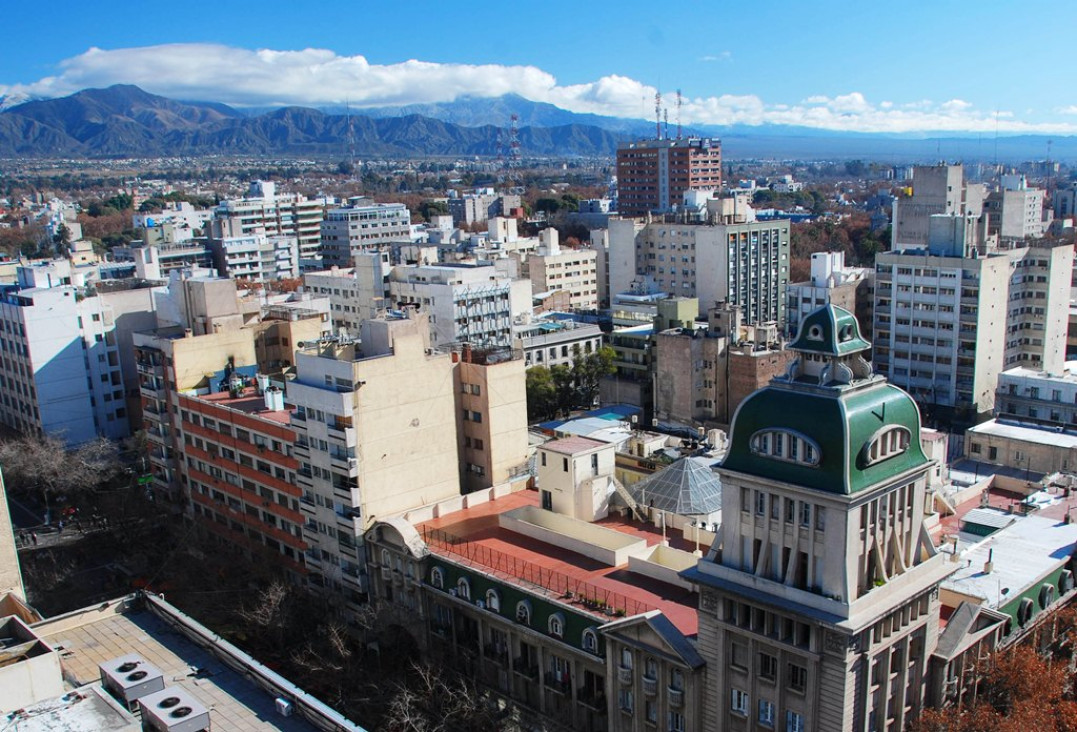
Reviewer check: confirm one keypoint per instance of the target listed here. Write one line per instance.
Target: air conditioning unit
(173, 710)
(129, 678)
(284, 706)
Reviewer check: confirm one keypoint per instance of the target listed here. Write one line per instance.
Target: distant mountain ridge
(126, 121)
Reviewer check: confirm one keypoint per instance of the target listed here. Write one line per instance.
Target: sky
(920, 66)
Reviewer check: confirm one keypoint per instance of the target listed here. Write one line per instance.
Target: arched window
(437, 578)
(886, 443)
(590, 641)
(493, 601)
(626, 658)
(1047, 595)
(386, 560)
(650, 668)
(676, 679)
(463, 589)
(786, 445)
(523, 612)
(556, 625)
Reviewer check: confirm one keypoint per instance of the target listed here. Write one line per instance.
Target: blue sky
(961, 66)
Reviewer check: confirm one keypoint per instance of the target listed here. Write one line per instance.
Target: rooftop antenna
(665, 122)
(658, 115)
(679, 102)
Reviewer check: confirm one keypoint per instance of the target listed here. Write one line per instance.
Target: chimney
(989, 564)
(274, 399)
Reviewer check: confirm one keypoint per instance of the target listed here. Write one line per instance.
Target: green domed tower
(823, 582)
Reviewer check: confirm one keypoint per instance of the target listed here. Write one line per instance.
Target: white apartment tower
(362, 225)
(264, 211)
(469, 303)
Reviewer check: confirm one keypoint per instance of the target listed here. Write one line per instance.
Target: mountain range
(126, 121)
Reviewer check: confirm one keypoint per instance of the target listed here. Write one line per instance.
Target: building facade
(652, 175)
(264, 211)
(361, 226)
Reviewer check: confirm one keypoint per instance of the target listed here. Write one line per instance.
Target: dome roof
(685, 488)
(831, 331)
(856, 438)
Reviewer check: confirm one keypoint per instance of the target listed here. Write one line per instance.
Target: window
(738, 656)
(676, 679)
(738, 703)
(650, 668)
(766, 712)
(651, 710)
(768, 666)
(820, 518)
(523, 612)
(556, 625)
(798, 677)
(675, 721)
(437, 578)
(625, 700)
(590, 641)
(785, 445)
(794, 722)
(886, 443)
(626, 658)
(493, 601)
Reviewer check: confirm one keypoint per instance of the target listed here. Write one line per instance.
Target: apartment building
(256, 258)
(831, 283)
(552, 342)
(467, 302)
(236, 449)
(375, 424)
(1015, 211)
(62, 355)
(702, 372)
(819, 607)
(491, 423)
(936, 189)
(1038, 398)
(362, 225)
(951, 317)
(355, 293)
(573, 271)
(475, 208)
(264, 211)
(653, 175)
(206, 337)
(743, 263)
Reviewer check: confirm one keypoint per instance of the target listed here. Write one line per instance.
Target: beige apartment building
(573, 271)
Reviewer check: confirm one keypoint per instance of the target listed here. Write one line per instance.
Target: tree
(588, 370)
(541, 394)
(45, 466)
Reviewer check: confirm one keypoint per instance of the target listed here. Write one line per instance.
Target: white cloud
(1071, 109)
(313, 76)
(722, 56)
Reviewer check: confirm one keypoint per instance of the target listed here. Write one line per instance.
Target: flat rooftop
(90, 638)
(251, 402)
(514, 557)
(1021, 553)
(1008, 430)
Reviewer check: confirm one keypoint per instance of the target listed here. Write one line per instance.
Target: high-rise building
(355, 293)
(470, 303)
(264, 211)
(734, 260)
(950, 317)
(256, 257)
(62, 364)
(831, 283)
(1015, 211)
(362, 226)
(936, 189)
(652, 175)
(819, 603)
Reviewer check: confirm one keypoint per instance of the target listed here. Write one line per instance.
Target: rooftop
(573, 445)
(474, 536)
(251, 402)
(1068, 376)
(1009, 430)
(236, 702)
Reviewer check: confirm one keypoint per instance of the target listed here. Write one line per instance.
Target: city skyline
(921, 70)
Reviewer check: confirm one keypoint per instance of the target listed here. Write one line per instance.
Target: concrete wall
(603, 545)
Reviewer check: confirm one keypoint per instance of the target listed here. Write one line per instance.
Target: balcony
(650, 686)
(624, 675)
(561, 684)
(593, 698)
(676, 697)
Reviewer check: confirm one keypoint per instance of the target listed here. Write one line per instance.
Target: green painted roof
(829, 330)
(840, 422)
